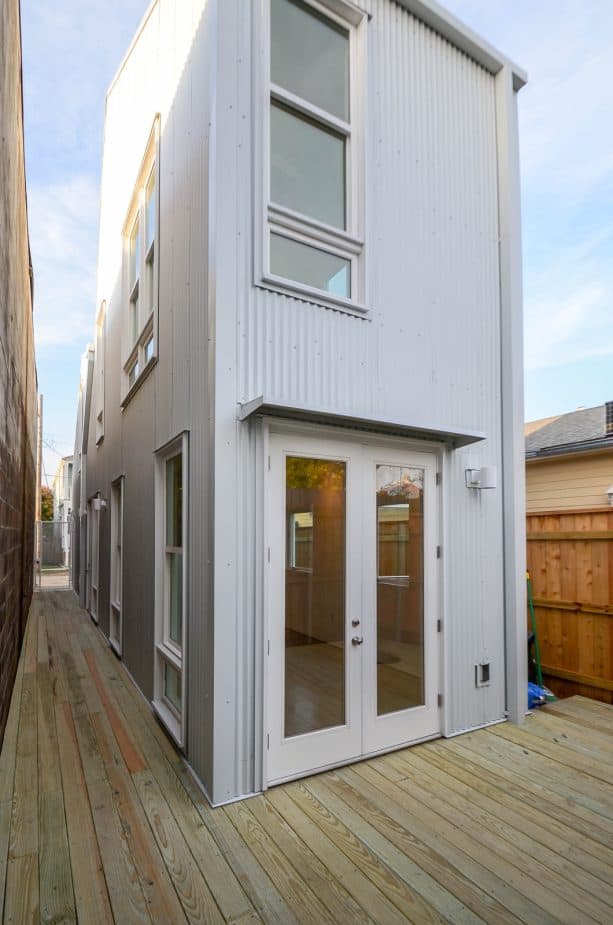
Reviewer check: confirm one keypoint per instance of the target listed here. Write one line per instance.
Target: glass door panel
(400, 588)
(315, 570)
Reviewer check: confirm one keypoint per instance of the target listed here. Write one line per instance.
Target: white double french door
(352, 663)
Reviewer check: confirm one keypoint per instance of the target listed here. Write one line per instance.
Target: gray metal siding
(166, 72)
(428, 348)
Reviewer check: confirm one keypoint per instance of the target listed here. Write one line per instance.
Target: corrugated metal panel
(167, 72)
(305, 354)
(431, 344)
(200, 669)
(429, 347)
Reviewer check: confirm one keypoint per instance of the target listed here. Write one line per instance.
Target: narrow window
(115, 621)
(99, 372)
(171, 520)
(174, 549)
(134, 279)
(314, 170)
(141, 271)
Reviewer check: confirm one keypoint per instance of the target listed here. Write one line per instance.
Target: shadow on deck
(100, 820)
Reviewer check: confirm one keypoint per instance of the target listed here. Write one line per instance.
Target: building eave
(571, 449)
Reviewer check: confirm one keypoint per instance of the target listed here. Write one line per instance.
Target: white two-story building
(304, 478)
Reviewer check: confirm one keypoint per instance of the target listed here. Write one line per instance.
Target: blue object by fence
(537, 696)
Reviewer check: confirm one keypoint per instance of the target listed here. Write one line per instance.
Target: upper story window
(141, 271)
(99, 372)
(314, 171)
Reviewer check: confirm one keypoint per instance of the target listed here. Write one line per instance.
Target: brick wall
(17, 367)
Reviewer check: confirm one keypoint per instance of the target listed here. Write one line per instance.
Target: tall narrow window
(314, 175)
(141, 271)
(134, 280)
(170, 588)
(115, 621)
(99, 372)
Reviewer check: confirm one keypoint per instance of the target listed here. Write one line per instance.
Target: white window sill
(171, 655)
(313, 296)
(169, 720)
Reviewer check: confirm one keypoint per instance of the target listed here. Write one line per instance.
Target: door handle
(357, 640)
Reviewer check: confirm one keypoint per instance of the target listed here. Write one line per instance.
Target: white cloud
(63, 220)
(560, 331)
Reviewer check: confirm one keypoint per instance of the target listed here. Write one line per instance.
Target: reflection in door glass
(314, 595)
(400, 588)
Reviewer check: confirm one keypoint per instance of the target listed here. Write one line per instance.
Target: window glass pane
(134, 253)
(305, 264)
(150, 283)
(309, 56)
(150, 209)
(315, 661)
(175, 597)
(400, 588)
(133, 374)
(300, 540)
(134, 317)
(174, 500)
(172, 686)
(307, 167)
(148, 350)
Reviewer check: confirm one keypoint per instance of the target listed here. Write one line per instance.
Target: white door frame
(321, 442)
(292, 757)
(390, 731)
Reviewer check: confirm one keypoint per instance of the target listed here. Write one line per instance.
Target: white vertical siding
(430, 344)
(168, 72)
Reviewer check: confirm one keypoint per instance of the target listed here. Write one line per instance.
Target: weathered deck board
(101, 821)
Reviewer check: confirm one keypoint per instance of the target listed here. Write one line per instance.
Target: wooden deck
(100, 820)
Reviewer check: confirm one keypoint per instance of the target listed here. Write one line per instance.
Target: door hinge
(439, 478)
(439, 626)
(438, 552)
(268, 553)
(439, 700)
(268, 648)
(269, 463)
(268, 740)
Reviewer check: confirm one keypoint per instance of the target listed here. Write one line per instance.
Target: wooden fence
(570, 560)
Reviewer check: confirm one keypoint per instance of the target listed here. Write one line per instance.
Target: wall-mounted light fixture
(99, 504)
(485, 477)
(610, 494)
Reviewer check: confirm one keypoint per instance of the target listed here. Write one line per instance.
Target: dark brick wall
(17, 368)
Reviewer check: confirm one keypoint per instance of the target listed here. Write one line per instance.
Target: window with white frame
(314, 169)
(115, 622)
(171, 536)
(141, 273)
(99, 368)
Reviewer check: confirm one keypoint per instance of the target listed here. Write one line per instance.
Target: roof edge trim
(443, 22)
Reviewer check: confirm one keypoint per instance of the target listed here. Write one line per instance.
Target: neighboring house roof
(531, 426)
(578, 431)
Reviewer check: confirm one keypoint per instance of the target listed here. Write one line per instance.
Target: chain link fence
(53, 554)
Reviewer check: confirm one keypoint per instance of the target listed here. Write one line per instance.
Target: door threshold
(357, 759)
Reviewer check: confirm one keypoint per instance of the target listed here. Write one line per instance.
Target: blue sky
(71, 51)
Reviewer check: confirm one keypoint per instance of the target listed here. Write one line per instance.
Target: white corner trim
(511, 355)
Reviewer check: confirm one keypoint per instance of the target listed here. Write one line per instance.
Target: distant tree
(46, 503)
